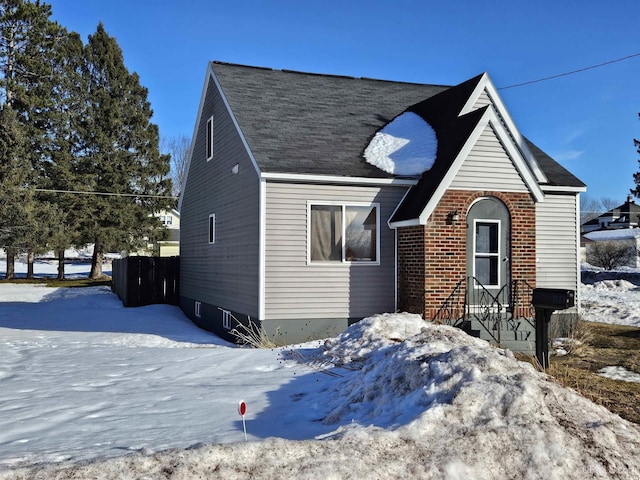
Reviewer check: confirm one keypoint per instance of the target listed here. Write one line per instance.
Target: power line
(104, 193)
(571, 72)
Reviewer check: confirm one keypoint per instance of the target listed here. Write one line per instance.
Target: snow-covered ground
(89, 389)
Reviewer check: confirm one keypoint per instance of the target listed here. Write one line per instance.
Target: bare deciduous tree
(179, 148)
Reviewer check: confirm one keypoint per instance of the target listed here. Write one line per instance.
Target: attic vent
(406, 146)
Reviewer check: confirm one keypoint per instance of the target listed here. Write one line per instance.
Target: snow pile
(85, 380)
(405, 146)
(619, 373)
(611, 301)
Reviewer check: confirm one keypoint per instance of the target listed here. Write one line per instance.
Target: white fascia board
(235, 122)
(521, 164)
(455, 166)
(485, 83)
(335, 179)
(562, 189)
(414, 222)
(211, 74)
(203, 95)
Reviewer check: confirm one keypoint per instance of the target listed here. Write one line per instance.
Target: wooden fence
(142, 281)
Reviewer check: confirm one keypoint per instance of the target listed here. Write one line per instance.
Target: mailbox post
(546, 301)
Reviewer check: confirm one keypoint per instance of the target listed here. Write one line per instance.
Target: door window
(487, 252)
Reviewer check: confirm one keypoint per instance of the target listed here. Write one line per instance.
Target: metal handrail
(452, 311)
(509, 305)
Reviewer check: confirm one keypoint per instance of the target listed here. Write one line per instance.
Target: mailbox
(553, 298)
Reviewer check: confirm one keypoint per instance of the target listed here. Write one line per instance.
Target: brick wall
(432, 257)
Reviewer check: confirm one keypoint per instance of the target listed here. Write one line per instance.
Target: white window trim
(498, 254)
(209, 138)
(343, 205)
(197, 309)
(226, 319)
(211, 229)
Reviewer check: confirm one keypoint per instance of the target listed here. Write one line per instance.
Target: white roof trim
(485, 83)
(203, 95)
(211, 74)
(304, 178)
(559, 189)
(489, 118)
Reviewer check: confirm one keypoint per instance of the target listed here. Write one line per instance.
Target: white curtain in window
(326, 233)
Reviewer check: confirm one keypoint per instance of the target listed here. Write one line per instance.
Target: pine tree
(120, 154)
(28, 40)
(14, 197)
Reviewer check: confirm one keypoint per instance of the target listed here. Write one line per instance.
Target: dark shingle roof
(313, 124)
(555, 173)
(305, 123)
(452, 130)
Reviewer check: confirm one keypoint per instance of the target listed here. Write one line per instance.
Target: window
(487, 252)
(226, 319)
(197, 309)
(210, 138)
(166, 219)
(212, 228)
(344, 233)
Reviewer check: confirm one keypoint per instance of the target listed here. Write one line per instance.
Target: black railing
(504, 309)
(453, 310)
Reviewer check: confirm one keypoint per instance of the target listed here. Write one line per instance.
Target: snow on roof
(618, 234)
(405, 146)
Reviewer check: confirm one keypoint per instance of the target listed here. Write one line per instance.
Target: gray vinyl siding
(556, 242)
(224, 274)
(488, 167)
(297, 290)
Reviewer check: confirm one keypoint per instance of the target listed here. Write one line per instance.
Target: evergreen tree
(120, 154)
(14, 196)
(28, 44)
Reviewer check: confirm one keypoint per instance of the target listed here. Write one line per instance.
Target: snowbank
(392, 397)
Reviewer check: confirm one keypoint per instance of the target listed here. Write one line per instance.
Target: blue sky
(586, 121)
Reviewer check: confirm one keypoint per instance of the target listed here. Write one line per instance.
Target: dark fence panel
(142, 281)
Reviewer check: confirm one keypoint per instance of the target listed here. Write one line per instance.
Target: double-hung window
(344, 233)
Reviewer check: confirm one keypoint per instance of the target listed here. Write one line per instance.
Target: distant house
(312, 201)
(626, 215)
(171, 246)
(168, 247)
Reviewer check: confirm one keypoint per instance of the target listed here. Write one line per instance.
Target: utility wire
(103, 193)
(571, 72)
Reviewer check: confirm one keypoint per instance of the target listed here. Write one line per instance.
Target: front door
(488, 250)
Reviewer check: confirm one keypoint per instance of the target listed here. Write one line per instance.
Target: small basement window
(344, 233)
(210, 138)
(226, 319)
(197, 309)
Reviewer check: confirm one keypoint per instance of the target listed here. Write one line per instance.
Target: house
(626, 215)
(169, 247)
(312, 201)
